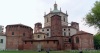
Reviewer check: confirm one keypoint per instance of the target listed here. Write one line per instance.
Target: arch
(38, 36)
(77, 39)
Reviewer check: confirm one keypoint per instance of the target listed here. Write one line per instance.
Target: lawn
(72, 51)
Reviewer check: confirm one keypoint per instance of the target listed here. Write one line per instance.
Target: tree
(97, 41)
(93, 17)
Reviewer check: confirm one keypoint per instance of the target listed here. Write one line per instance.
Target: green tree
(93, 17)
(97, 41)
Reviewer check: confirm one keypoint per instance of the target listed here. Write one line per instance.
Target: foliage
(93, 17)
(97, 41)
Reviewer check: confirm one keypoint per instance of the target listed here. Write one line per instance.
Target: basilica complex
(56, 34)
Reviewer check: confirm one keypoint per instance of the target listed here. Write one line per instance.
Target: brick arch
(77, 39)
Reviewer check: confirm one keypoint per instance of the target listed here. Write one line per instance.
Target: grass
(72, 51)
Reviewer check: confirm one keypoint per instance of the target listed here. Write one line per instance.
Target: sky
(29, 12)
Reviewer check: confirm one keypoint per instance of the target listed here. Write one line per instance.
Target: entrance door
(39, 46)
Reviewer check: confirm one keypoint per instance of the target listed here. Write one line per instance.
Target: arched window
(1, 40)
(77, 40)
(47, 34)
(38, 36)
(54, 42)
(23, 34)
(12, 33)
(64, 33)
(47, 42)
(69, 33)
(47, 19)
(70, 40)
(64, 18)
(25, 42)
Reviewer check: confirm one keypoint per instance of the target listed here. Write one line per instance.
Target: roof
(56, 11)
(38, 23)
(18, 25)
(82, 32)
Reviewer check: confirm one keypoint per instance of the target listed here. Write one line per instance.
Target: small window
(12, 33)
(38, 36)
(31, 42)
(64, 18)
(77, 40)
(64, 29)
(44, 36)
(58, 43)
(47, 19)
(42, 29)
(70, 40)
(69, 33)
(47, 34)
(23, 34)
(1, 41)
(54, 42)
(25, 42)
(47, 42)
(68, 29)
(47, 29)
(64, 33)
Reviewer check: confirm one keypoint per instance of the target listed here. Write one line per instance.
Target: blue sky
(29, 12)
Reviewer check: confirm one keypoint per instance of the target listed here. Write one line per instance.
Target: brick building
(82, 40)
(2, 41)
(55, 35)
(15, 33)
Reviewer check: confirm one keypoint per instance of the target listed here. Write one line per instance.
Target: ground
(72, 51)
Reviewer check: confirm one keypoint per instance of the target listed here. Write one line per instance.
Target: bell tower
(55, 11)
(37, 27)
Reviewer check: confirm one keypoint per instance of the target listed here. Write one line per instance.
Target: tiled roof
(82, 32)
(18, 25)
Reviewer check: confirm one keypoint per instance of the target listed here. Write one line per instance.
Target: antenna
(55, 2)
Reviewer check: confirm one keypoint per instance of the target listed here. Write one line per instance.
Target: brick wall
(15, 34)
(56, 29)
(52, 45)
(85, 41)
